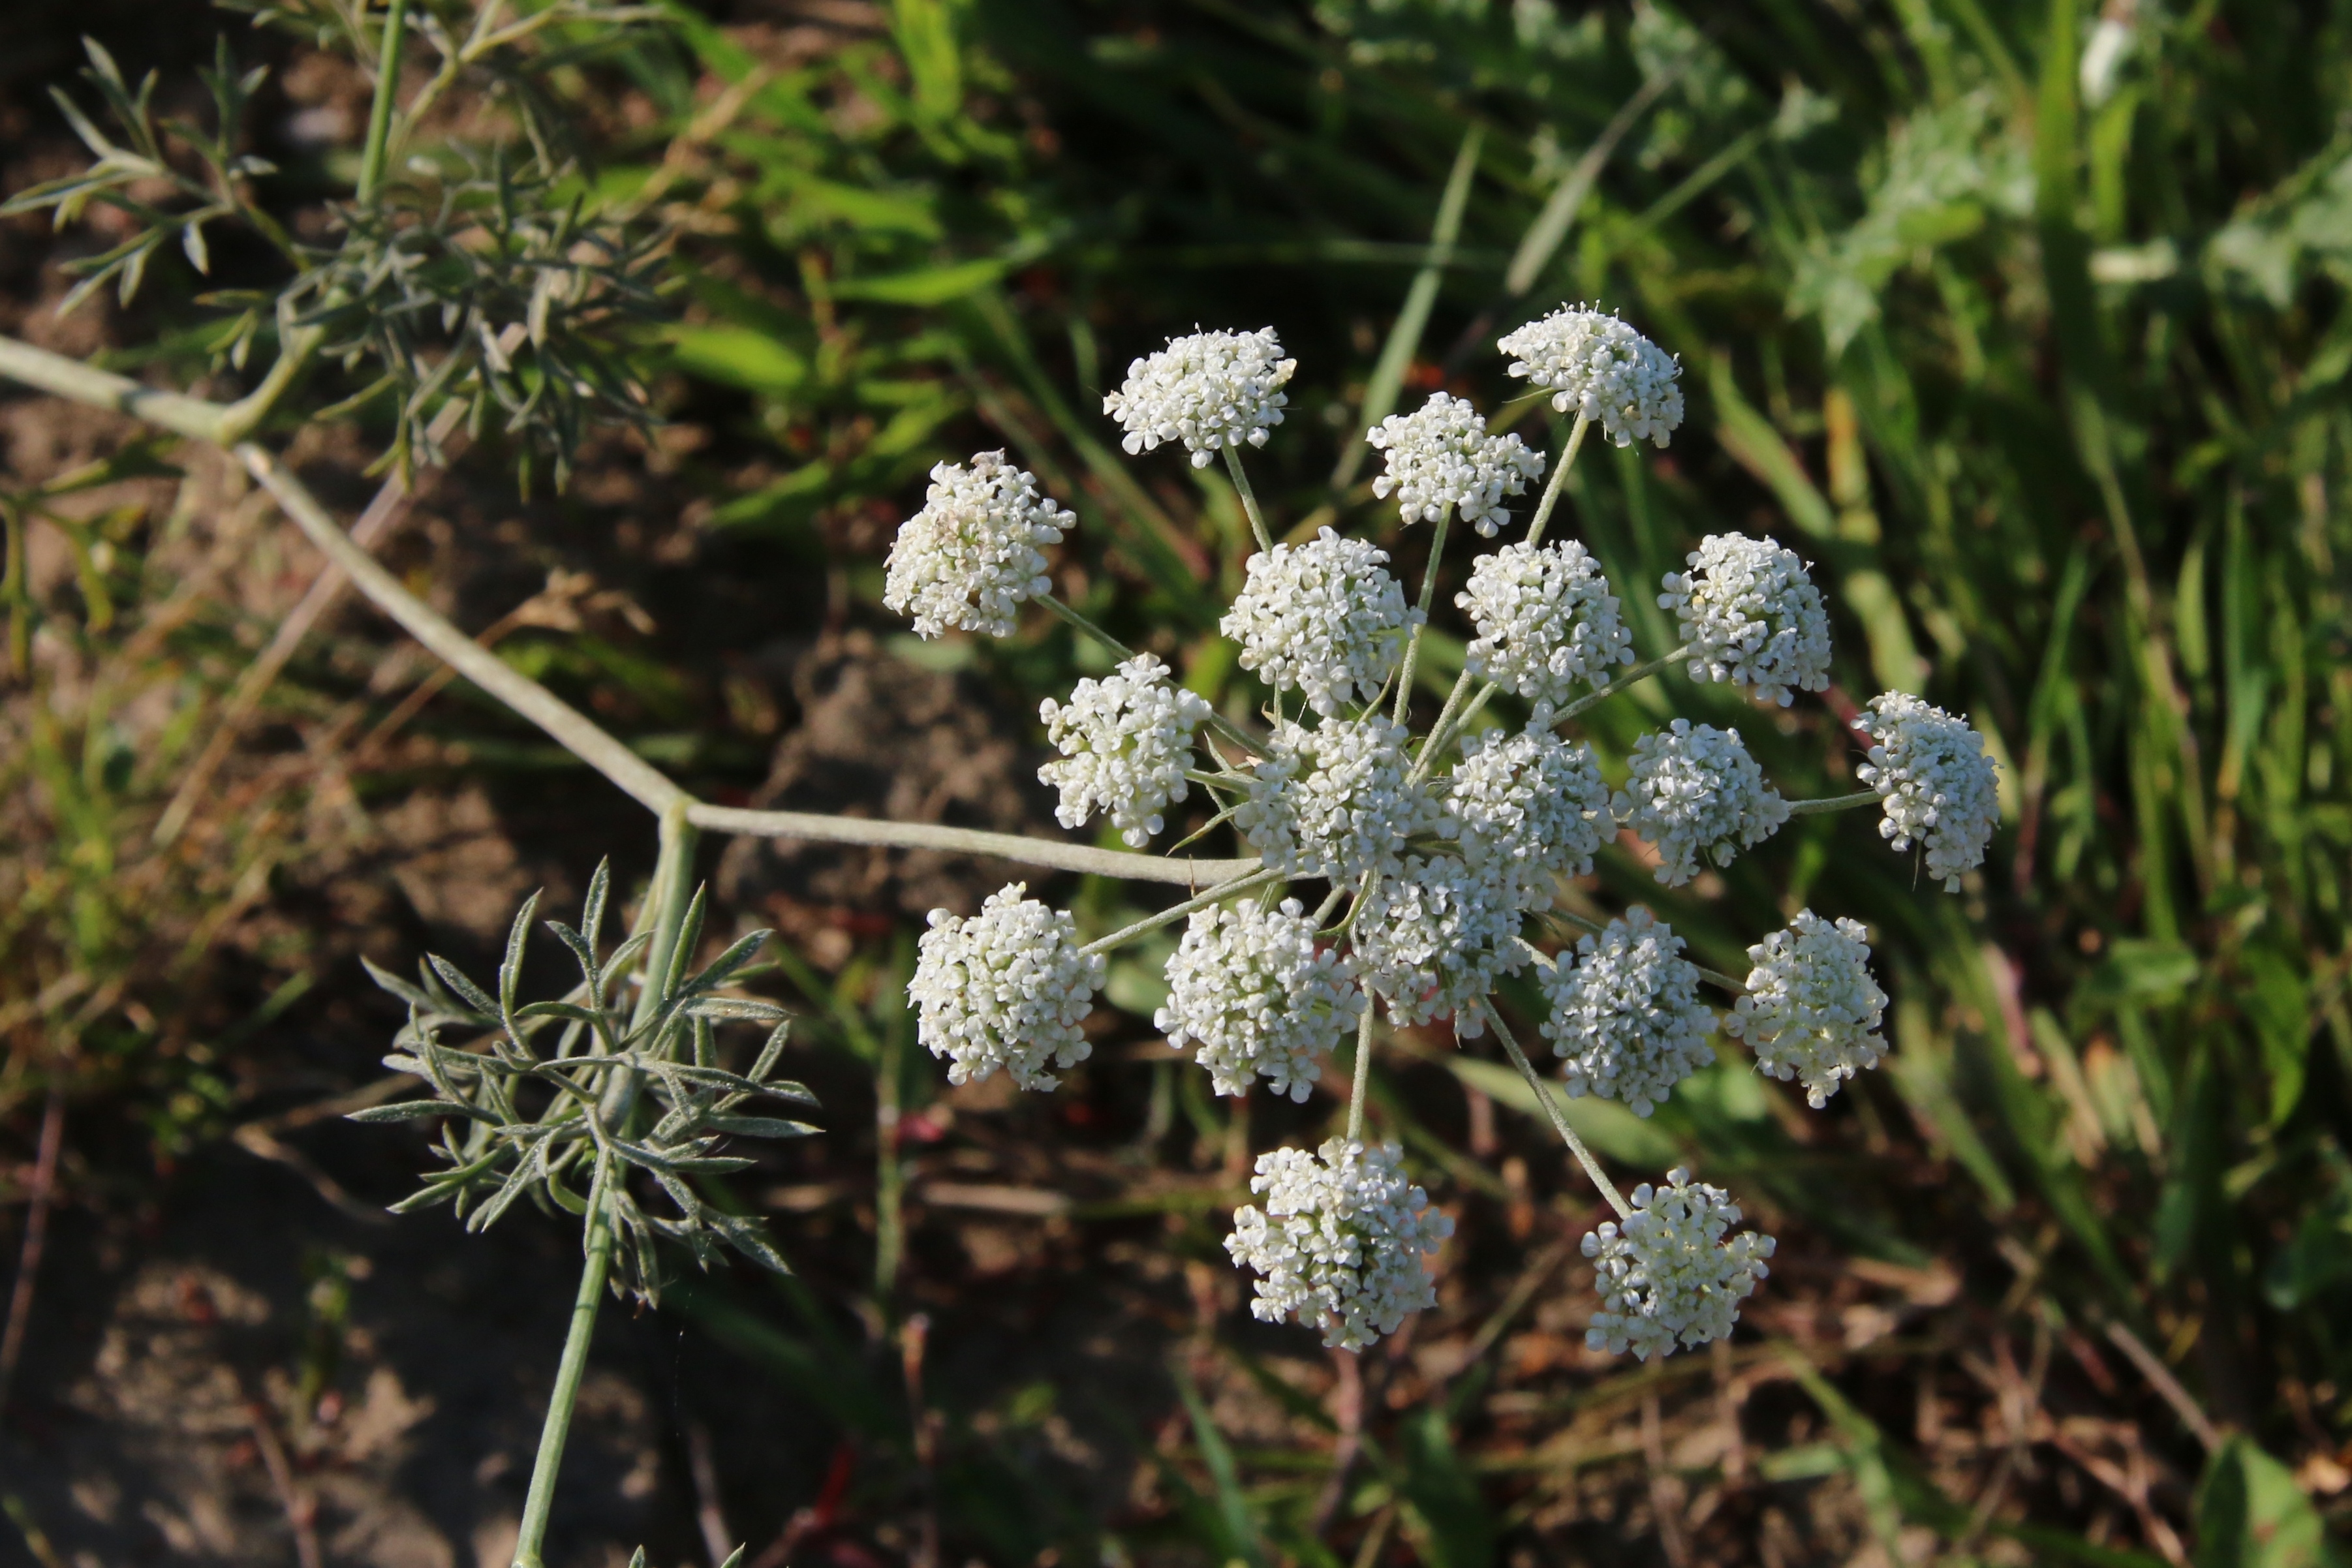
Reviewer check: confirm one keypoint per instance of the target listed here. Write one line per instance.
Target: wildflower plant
(1401, 868)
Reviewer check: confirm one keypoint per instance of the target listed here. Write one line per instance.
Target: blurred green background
(2024, 322)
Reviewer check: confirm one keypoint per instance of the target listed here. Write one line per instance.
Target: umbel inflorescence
(1402, 865)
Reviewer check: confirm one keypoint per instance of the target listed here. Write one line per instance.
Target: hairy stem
(387, 89)
(1641, 672)
(539, 1501)
(1559, 478)
(1559, 1122)
(1428, 592)
(1173, 913)
(1249, 497)
(1363, 1073)
(1827, 803)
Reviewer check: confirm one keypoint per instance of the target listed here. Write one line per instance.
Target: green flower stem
(666, 902)
(1559, 1122)
(1559, 478)
(1363, 1073)
(1249, 497)
(1435, 739)
(1085, 625)
(387, 89)
(539, 1501)
(1641, 672)
(1824, 807)
(1428, 592)
(1151, 923)
(1444, 735)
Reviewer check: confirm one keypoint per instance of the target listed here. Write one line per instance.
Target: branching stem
(1249, 497)
(1559, 478)
(1641, 672)
(1412, 639)
(1824, 807)
(1363, 1069)
(1151, 923)
(1559, 1122)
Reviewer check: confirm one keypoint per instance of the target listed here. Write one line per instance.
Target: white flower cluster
(1692, 790)
(1007, 987)
(1125, 744)
(1339, 1242)
(1433, 939)
(1938, 784)
(1602, 370)
(1210, 390)
(1338, 801)
(1751, 615)
(1545, 619)
(1812, 1011)
(1667, 1277)
(1248, 988)
(971, 556)
(1531, 808)
(1626, 1014)
(1441, 459)
(1324, 617)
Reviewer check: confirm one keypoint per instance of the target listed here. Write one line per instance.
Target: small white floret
(1339, 1242)
(1545, 621)
(1667, 1276)
(1007, 987)
(1531, 808)
(1125, 742)
(1600, 368)
(1248, 988)
(973, 556)
(1626, 1013)
(1692, 790)
(1939, 786)
(1441, 459)
(1210, 390)
(1323, 618)
(1751, 615)
(1338, 801)
(1812, 1011)
(1433, 939)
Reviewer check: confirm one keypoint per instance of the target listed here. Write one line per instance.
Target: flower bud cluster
(1545, 620)
(1600, 368)
(1530, 809)
(1125, 742)
(1693, 791)
(1812, 1011)
(1339, 1242)
(1323, 618)
(1626, 1015)
(1338, 801)
(971, 556)
(1751, 615)
(1441, 459)
(1210, 390)
(1433, 939)
(1667, 1276)
(1007, 987)
(1250, 990)
(1938, 785)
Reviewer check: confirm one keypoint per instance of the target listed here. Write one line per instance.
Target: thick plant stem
(387, 89)
(1559, 478)
(1639, 673)
(1829, 803)
(1363, 1074)
(539, 1501)
(1249, 498)
(1559, 1122)
(1412, 640)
